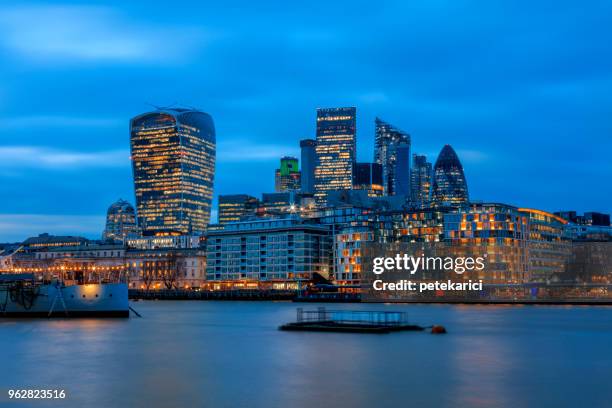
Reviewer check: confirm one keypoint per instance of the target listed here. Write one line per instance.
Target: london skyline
(521, 113)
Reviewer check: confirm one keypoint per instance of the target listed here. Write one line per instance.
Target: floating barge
(347, 321)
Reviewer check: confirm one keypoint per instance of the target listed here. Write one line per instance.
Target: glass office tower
(336, 151)
(173, 161)
(309, 163)
(420, 181)
(388, 143)
(449, 184)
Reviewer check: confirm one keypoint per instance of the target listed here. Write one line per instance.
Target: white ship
(25, 295)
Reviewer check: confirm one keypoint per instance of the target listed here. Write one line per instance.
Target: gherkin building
(449, 186)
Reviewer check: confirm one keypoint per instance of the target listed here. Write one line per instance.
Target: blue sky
(522, 91)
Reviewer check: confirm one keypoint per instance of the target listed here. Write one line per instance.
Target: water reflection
(231, 354)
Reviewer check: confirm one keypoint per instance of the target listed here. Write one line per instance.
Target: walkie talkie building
(173, 160)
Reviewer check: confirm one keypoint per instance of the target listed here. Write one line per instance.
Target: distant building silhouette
(309, 164)
(233, 207)
(449, 185)
(173, 161)
(420, 180)
(368, 176)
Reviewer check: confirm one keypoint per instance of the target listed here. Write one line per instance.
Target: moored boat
(26, 295)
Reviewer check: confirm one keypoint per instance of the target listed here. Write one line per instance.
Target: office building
(396, 173)
(287, 177)
(274, 204)
(368, 176)
(420, 180)
(173, 162)
(449, 184)
(120, 222)
(336, 151)
(234, 207)
(309, 164)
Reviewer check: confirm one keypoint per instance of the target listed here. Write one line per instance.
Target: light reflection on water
(231, 354)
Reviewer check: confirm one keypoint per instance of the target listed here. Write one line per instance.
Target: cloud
(89, 33)
(43, 157)
(21, 122)
(18, 227)
(240, 150)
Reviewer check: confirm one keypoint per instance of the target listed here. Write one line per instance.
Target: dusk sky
(523, 92)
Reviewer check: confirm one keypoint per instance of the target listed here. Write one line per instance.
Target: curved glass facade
(449, 184)
(120, 221)
(173, 161)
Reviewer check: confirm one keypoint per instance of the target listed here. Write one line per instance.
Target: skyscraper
(233, 207)
(420, 181)
(336, 151)
(368, 176)
(449, 184)
(173, 161)
(401, 170)
(120, 222)
(396, 176)
(309, 163)
(287, 177)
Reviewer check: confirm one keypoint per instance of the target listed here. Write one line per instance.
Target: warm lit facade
(420, 180)
(449, 184)
(173, 161)
(348, 253)
(549, 245)
(392, 152)
(498, 230)
(166, 268)
(336, 151)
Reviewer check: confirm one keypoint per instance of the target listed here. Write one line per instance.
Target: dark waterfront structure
(368, 176)
(233, 207)
(120, 222)
(309, 164)
(449, 184)
(336, 151)
(392, 152)
(420, 180)
(589, 218)
(287, 177)
(173, 161)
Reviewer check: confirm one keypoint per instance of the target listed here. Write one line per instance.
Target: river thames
(231, 354)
